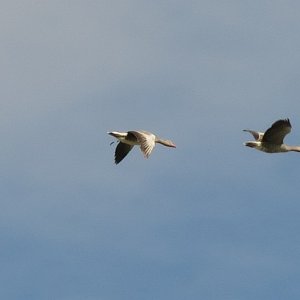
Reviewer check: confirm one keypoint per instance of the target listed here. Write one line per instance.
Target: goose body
(272, 140)
(146, 140)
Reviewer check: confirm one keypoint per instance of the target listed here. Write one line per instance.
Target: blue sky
(210, 219)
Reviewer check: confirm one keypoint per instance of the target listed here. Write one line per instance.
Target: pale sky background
(210, 219)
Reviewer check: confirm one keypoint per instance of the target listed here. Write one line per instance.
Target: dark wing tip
(276, 133)
(282, 122)
(121, 151)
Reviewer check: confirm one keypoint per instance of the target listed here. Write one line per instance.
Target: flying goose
(272, 140)
(146, 140)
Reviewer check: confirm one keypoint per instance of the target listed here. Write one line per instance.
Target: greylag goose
(272, 140)
(146, 141)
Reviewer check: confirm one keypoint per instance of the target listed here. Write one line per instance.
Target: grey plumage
(146, 140)
(272, 140)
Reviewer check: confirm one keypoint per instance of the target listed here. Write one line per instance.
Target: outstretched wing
(256, 134)
(276, 133)
(121, 151)
(146, 140)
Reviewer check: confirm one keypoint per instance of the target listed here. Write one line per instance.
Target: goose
(146, 140)
(272, 140)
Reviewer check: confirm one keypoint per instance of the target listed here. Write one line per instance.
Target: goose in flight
(146, 141)
(272, 140)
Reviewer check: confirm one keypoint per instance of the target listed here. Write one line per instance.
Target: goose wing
(145, 139)
(256, 134)
(121, 151)
(276, 133)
